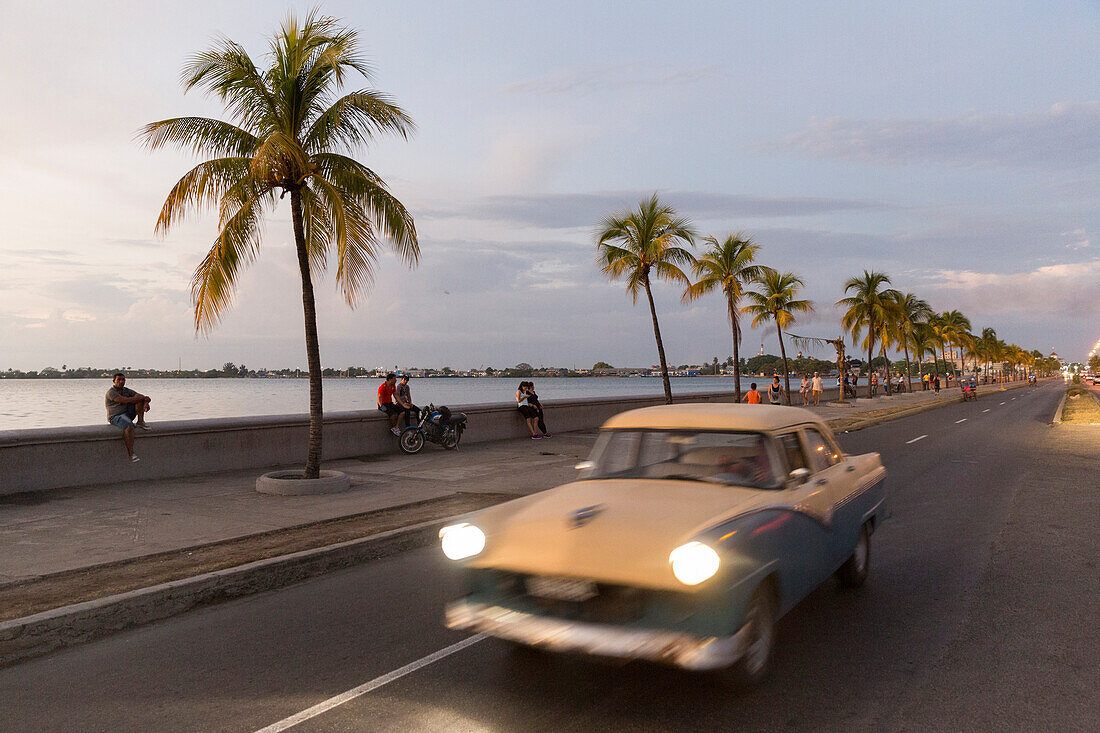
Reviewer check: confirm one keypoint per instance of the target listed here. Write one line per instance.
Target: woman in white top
(804, 390)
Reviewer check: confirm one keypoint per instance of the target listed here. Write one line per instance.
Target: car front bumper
(604, 640)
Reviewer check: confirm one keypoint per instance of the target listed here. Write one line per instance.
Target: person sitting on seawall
(386, 405)
(533, 400)
(530, 414)
(123, 406)
(752, 396)
(403, 395)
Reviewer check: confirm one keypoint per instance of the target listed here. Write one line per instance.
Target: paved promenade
(66, 529)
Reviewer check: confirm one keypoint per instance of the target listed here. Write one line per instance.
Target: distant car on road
(692, 530)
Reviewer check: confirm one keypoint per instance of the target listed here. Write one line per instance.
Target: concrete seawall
(50, 458)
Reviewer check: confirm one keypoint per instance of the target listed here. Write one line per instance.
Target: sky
(954, 146)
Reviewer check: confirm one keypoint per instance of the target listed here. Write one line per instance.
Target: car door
(806, 549)
(832, 484)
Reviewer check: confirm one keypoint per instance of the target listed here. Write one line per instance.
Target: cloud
(598, 81)
(1078, 239)
(1062, 291)
(1065, 135)
(572, 210)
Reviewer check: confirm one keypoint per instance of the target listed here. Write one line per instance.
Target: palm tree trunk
(886, 371)
(908, 370)
(783, 351)
(660, 344)
(313, 349)
(870, 354)
(736, 351)
(841, 397)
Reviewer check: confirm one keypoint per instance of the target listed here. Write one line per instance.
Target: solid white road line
(959, 421)
(914, 440)
(986, 410)
(366, 687)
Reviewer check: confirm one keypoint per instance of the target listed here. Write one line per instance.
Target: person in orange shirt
(386, 403)
(752, 396)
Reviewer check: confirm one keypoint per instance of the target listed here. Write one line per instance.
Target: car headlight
(693, 563)
(461, 541)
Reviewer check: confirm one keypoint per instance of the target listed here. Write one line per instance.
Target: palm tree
(868, 308)
(889, 332)
(776, 301)
(988, 343)
(290, 134)
(727, 266)
(911, 311)
(923, 341)
(643, 244)
(953, 328)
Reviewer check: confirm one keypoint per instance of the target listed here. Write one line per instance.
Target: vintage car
(691, 531)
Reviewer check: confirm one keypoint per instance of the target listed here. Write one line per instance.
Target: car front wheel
(751, 669)
(853, 573)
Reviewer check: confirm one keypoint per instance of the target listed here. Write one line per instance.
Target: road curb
(1061, 406)
(41, 633)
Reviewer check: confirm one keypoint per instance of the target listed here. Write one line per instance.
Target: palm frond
(354, 120)
(202, 186)
(201, 135)
(214, 280)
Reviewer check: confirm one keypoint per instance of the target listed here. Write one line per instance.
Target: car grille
(612, 604)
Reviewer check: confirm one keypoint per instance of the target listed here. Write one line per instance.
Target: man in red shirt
(386, 404)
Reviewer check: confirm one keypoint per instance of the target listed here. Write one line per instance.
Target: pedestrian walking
(936, 383)
(817, 385)
(775, 391)
(804, 389)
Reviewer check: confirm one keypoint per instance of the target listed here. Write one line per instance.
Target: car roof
(713, 416)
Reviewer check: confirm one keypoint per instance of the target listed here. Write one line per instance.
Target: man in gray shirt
(123, 405)
(404, 398)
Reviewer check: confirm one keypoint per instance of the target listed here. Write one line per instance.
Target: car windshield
(732, 458)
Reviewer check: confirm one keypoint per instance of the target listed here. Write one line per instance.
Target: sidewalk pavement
(62, 530)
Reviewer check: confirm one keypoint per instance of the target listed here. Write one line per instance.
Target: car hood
(632, 527)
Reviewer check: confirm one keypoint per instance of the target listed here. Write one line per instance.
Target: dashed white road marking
(959, 421)
(986, 410)
(1002, 403)
(914, 440)
(366, 687)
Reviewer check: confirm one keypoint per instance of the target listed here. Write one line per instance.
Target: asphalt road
(980, 614)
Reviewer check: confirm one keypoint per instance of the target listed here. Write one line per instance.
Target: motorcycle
(436, 424)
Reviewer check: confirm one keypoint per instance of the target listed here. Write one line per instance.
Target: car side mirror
(799, 475)
(585, 465)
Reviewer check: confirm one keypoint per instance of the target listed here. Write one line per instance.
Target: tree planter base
(291, 483)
